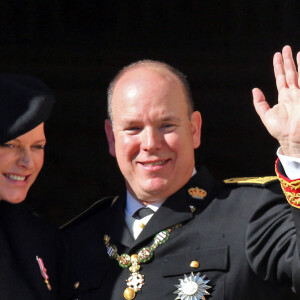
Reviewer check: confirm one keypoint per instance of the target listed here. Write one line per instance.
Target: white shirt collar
(132, 205)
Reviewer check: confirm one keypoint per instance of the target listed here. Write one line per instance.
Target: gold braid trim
(290, 188)
(294, 185)
(251, 180)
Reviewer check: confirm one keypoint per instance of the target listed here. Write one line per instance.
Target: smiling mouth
(15, 177)
(155, 163)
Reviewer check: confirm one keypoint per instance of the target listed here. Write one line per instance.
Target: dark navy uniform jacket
(245, 238)
(23, 237)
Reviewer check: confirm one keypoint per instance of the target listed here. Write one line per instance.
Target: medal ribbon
(44, 272)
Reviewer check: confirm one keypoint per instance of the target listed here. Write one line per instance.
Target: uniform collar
(176, 209)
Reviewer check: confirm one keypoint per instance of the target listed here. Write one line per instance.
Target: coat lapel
(173, 211)
(115, 225)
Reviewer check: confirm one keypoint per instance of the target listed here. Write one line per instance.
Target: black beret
(25, 102)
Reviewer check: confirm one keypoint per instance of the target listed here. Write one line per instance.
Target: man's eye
(133, 129)
(167, 126)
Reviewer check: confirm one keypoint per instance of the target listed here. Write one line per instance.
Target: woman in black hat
(32, 255)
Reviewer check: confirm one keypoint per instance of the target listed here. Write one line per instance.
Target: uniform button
(76, 285)
(195, 264)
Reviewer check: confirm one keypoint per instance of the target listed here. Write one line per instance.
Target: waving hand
(283, 119)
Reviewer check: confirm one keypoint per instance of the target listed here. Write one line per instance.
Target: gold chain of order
(136, 280)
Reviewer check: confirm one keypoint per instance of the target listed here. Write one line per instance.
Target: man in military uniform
(202, 238)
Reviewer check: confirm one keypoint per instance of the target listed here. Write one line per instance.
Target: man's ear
(110, 137)
(196, 123)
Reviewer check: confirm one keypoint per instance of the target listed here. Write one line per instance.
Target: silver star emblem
(192, 287)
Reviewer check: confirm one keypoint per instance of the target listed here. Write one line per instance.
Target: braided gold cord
(294, 185)
(292, 199)
(290, 189)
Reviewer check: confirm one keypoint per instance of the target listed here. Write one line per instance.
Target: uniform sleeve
(273, 240)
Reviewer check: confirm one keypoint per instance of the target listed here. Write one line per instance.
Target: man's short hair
(152, 64)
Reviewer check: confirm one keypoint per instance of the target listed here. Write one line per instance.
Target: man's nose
(151, 140)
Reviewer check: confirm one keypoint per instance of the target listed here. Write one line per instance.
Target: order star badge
(192, 287)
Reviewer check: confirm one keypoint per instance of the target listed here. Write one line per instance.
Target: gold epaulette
(251, 180)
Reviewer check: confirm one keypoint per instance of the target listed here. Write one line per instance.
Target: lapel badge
(192, 208)
(192, 287)
(44, 272)
(197, 193)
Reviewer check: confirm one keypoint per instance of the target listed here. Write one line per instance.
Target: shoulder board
(100, 204)
(254, 181)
